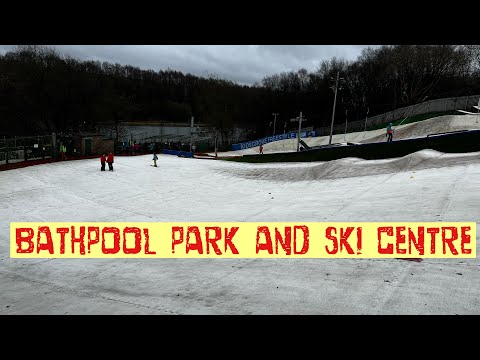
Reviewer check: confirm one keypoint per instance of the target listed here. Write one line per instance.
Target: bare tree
(419, 68)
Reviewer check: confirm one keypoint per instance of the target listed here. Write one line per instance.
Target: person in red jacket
(110, 161)
(103, 158)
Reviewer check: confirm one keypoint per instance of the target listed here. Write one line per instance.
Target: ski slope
(440, 124)
(424, 186)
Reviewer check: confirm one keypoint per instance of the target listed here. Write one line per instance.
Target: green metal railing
(19, 149)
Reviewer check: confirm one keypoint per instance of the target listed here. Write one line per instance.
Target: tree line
(42, 91)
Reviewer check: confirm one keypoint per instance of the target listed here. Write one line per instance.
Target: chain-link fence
(19, 149)
(437, 105)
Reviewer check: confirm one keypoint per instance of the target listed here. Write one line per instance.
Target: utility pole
(299, 119)
(274, 121)
(334, 104)
(216, 142)
(191, 134)
(366, 117)
(345, 137)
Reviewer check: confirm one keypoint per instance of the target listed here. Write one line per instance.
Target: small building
(86, 144)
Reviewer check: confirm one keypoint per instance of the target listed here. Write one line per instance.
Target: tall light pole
(299, 119)
(366, 117)
(334, 104)
(216, 142)
(191, 134)
(345, 137)
(274, 121)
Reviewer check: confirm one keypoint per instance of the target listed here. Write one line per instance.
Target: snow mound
(350, 167)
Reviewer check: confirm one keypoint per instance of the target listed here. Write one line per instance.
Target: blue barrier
(170, 152)
(178, 153)
(268, 139)
(186, 154)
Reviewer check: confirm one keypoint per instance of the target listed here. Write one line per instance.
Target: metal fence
(437, 105)
(19, 149)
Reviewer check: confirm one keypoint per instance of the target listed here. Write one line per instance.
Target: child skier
(389, 133)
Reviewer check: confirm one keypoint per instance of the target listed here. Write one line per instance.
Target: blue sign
(268, 139)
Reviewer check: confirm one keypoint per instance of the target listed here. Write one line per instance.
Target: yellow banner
(243, 240)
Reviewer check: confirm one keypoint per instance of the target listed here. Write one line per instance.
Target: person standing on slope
(155, 158)
(389, 133)
(110, 161)
(261, 149)
(103, 159)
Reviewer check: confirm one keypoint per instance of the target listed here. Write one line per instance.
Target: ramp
(306, 147)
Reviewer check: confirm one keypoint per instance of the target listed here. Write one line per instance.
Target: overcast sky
(243, 64)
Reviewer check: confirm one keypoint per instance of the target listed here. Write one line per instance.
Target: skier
(261, 148)
(155, 158)
(102, 161)
(389, 133)
(110, 161)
